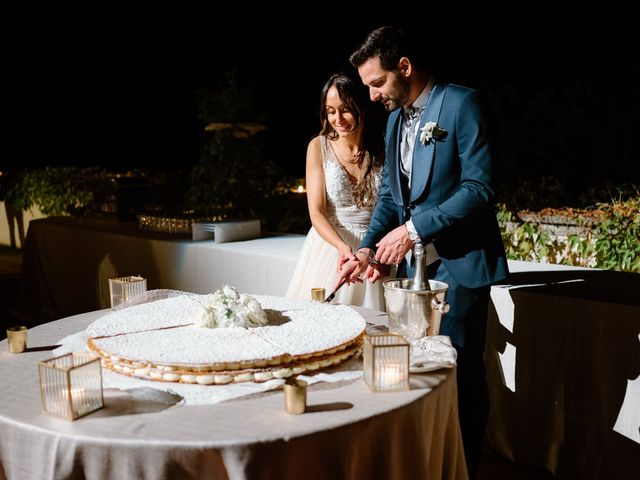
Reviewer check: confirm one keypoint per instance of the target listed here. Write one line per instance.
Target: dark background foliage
(117, 85)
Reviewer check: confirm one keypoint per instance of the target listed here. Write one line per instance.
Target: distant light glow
(298, 186)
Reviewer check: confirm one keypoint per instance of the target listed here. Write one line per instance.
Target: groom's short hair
(390, 44)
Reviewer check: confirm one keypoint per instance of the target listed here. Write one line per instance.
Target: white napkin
(432, 353)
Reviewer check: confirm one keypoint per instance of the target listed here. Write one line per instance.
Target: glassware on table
(71, 385)
(122, 289)
(295, 396)
(318, 294)
(386, 362)
(17, 339)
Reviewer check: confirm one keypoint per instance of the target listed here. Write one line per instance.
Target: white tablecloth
(347, 432)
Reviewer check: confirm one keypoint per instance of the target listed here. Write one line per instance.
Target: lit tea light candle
(391, 375)
(386, 362)
(71, 385)
(123, 289)
(78, 399)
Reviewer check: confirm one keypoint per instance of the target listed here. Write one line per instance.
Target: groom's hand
(375, 272)
(394, 246)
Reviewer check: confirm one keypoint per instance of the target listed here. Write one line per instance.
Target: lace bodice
(341, 206)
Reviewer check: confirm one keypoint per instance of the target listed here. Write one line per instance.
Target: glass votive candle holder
(71, 385)
(17, 339)
(386, 362)
(295, 396)
(318, 294)
(122, 289)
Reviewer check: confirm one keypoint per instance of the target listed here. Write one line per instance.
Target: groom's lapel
(393, 159)
(423, 154)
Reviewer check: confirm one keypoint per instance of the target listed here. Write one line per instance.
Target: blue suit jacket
(451, 196)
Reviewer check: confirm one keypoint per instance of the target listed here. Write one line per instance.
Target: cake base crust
(158, 345)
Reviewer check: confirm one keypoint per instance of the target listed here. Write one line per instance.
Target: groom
(437, 188)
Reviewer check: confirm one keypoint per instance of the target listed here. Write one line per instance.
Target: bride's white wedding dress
(318, 260)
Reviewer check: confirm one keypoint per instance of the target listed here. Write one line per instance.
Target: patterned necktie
(411, 114)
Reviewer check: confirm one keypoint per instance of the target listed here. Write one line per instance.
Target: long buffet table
(563, 344)
(346, 433)
(67, 262)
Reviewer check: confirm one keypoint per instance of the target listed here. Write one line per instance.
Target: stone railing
(555, 239)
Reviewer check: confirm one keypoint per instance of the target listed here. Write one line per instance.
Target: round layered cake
(166, 340)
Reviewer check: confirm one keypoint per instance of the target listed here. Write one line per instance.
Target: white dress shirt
(410, 126)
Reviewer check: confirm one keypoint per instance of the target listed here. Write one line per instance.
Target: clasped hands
(390, 251)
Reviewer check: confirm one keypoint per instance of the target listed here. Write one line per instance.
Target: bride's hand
(351, 270)
(344, 255)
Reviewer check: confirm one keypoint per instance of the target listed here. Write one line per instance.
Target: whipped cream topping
(228, 308)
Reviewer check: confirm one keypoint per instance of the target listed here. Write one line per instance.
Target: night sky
(114, 86)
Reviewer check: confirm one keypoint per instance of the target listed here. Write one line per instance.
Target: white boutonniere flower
(430, 131)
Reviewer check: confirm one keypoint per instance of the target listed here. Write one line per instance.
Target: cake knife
(372, 261)
(333, 294)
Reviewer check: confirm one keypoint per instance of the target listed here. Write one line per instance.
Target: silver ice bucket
(415, 313)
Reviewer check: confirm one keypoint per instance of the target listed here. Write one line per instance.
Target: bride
(343, 177)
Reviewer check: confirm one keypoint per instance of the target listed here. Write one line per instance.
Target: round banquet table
(347, 432)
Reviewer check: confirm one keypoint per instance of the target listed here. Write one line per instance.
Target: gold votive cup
(386, 362)
(71, 385)
(317, 294)
(295, 396)
(17, 339)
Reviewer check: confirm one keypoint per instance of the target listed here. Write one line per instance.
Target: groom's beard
(398, 94)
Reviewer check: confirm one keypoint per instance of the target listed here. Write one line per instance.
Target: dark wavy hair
(354, 95)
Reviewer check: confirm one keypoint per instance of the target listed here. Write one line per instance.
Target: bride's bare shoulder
(315, 145)
(315, 141)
